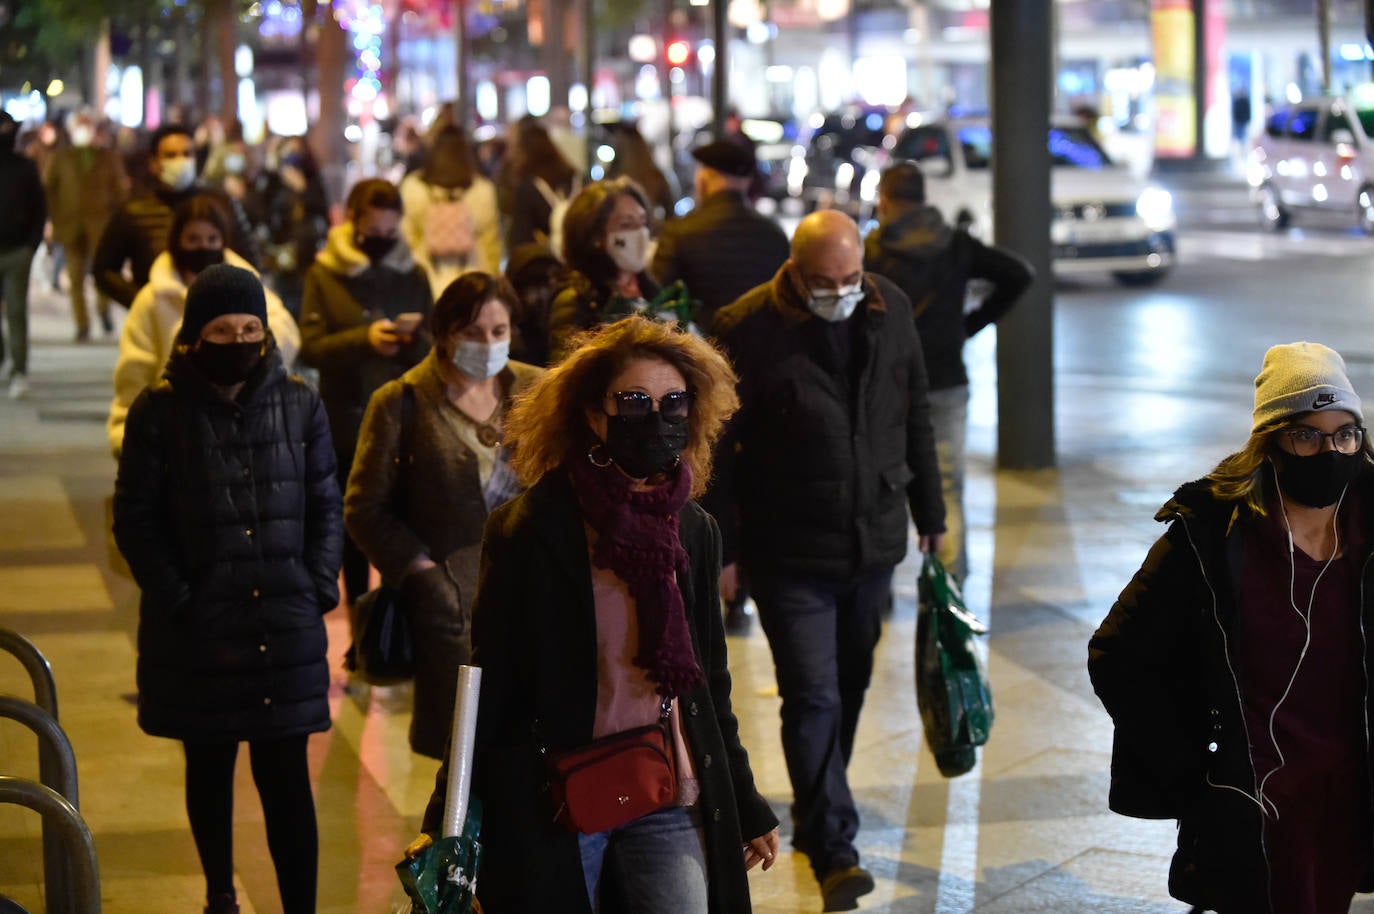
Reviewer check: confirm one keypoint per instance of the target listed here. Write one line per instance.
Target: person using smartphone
(362, 316)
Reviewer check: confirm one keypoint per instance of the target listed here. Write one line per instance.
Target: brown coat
(441, 516)
(84, 186)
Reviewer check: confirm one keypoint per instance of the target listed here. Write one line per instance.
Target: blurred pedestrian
(723, 247)
(634, 159)
(831, 445)
(363, 320)
(421, 524)
(227, 510)
(606, 242)
(147, 341)
(85, 184)
(597, 614)
(538, 181)
(1235, 665)
(137, 231)
(535, 274)
(933, 264)
(451, 221)
(296, 220)
(21, 232)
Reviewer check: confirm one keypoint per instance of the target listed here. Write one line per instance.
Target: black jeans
(822, 634)
(282, 775)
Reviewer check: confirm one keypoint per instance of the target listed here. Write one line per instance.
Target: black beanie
(218, 290)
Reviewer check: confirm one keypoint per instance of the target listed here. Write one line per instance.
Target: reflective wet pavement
(1152, 388)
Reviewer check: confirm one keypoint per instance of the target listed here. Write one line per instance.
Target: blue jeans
(658, 862)
(949, 419)
(822, 634)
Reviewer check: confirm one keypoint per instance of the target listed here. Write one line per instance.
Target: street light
(678, 52)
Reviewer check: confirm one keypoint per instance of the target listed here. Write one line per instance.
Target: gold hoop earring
(592, 454)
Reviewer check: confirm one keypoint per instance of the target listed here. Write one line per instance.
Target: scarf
(637, 540)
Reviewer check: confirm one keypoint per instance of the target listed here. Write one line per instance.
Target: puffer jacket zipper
(1240, 706)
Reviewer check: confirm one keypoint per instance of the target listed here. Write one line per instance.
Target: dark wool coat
(580, 304)
(721, 250)
(535, 639)
(818, 466)
(1163, 663)
(440, 515)
(229, 516)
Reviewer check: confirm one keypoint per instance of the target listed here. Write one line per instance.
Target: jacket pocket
(895, 479)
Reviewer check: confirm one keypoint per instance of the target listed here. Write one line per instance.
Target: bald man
(831, 445)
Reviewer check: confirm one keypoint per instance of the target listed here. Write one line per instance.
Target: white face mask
(178, 174)
(835, 305)
(629, 249)
(234, 163)
(480, 360)
(82, 136)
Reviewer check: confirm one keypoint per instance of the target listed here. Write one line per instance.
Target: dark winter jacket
(933, 264)
(22, 201)
(833, 438)
(344, 294)
(1164, 664)
(534, 631)
(229, 516)
(581, 304)
(440, 516)
(721, 250)
(137, 233)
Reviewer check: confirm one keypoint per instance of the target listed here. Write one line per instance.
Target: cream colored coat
(151, 330)
(480, 199)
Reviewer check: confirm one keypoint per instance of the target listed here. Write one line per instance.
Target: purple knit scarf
(637, 539)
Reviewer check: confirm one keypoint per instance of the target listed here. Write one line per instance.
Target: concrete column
(1021, 38)
(720, 67)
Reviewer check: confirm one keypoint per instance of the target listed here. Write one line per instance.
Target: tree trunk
(330, 60)
(226, 45)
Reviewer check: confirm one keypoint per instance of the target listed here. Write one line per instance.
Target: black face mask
(193, 261)
(376, 246)
(227, 364)
(643, 447)
(1318, 480)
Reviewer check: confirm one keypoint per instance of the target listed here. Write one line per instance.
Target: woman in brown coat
(421, 524)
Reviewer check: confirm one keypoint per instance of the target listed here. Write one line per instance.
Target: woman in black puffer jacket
(228, 512)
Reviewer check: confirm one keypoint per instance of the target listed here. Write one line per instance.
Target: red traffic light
(678, 52)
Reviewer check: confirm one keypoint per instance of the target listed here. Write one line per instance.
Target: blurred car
(1105, 219)
(1316, 155)
(832, 167)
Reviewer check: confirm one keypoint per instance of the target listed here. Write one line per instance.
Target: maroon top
(1316, 793)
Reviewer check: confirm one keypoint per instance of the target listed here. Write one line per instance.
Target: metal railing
(71, 829)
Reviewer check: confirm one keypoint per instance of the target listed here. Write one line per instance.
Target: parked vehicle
(1105, 219)
(1316, 155)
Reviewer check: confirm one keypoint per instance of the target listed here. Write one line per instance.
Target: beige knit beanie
(1301, 378)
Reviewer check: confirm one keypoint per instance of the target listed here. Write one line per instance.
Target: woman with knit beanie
(228, 513)
(1235, 665)
(597, 613)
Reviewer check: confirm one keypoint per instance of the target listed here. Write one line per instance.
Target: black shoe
(83, 335)
(106, 324)
(223, 903)
(842, 888)
(738, 621)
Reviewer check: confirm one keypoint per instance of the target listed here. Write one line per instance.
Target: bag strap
(545, 191)
(665, 711)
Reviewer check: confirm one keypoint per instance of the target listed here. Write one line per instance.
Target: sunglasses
(635, 404)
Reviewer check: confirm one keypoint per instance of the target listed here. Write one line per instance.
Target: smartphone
(408, 323)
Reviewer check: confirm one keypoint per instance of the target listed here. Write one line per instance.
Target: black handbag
(383, 650)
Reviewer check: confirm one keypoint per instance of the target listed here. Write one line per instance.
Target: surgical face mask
(178, 173)
(1318, 480)
(835, 305)
(480, 360)
(645, 445)
(82, 136)
(629, 249)
(234, 163)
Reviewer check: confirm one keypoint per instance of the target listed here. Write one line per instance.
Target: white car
(1106, 220)
(1316, 155)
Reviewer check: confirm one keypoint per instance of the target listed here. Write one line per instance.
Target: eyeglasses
(635, 404)
(1306, 440)
(254, 333)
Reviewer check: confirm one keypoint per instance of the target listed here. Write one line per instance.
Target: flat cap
(729, 157)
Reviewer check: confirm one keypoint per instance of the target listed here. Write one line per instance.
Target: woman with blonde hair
(597, 613)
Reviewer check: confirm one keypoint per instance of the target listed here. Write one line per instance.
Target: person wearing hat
(723, 247)
(933, 264)
(1235, 665)
(228, 513)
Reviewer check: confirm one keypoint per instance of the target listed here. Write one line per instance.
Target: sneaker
(19, 387)
(842, 888)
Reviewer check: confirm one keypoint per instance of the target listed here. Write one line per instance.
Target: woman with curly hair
(597, 613)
